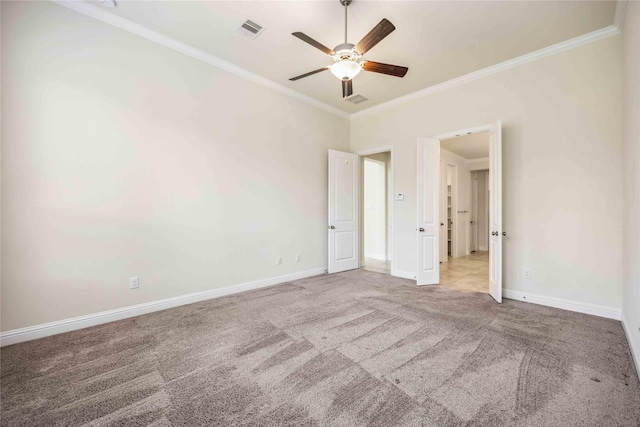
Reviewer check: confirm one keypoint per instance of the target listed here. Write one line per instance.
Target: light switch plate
(134, 282)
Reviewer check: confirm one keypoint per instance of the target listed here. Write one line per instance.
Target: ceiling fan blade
(293, 79)
(378, 67)
(379, 32)
(312, 42)
(347, 88)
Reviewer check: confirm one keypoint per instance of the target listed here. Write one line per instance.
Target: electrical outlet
(298, 258)
(279, 260)
(527, 273)
(134, 282)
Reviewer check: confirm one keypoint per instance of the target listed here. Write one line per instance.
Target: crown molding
(137, 29)
(621, 11)
(134, 28)
(609, 31)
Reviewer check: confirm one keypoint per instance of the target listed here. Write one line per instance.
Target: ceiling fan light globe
(345, 69)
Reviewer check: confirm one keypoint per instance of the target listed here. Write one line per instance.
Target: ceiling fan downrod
(346, 4)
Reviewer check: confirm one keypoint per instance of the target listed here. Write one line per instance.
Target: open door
(428, 230)
(495, 211)
(344, 189)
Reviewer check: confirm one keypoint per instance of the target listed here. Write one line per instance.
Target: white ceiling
(475, 146)
(437, 40)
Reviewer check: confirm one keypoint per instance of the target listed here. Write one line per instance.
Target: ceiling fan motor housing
(345, 51)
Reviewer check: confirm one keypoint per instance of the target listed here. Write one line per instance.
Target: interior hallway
(467, 273)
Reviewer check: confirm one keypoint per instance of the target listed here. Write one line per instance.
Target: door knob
(421, 229)
(441, 224)
(332, 227)
(494, 233)
(504, 233)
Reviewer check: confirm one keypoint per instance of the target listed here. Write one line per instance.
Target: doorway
(376, 212)
(467, 219)
(429, 204)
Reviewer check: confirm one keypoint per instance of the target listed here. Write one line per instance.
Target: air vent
(357, 99)
(250, 29)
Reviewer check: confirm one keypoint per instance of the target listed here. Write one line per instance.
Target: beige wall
(121, 157)
(562, 179)
(631, 150)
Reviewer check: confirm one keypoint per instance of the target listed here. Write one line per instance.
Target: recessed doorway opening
(376, 173)
(465, 213)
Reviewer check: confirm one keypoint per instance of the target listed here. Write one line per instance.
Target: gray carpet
(351, 349)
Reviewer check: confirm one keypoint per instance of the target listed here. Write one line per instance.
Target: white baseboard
(565, 304)
(403, 274)
(53, 328)
(633, 345)
(381, 257)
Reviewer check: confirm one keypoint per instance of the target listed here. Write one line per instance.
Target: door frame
(390, 201)
(468, 131)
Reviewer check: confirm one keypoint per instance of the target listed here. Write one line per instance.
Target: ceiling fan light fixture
(348, 57)
(345, 69)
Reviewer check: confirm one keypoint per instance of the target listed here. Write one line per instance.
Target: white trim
(565, 304)
(511, 63)
(621, 10)
(403, 274)
(137, 29)
(53, 328)
(132, 27)
(633, 345)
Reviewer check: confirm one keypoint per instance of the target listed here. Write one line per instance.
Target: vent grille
(357, 99)
(250, 29)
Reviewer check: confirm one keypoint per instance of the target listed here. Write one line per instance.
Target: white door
(428, 230)
(495, 211)
(343, 211)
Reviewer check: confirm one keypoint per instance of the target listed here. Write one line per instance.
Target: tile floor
(377, 265)
(467, 273)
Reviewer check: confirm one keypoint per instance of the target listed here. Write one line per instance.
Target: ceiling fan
(347, 58)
